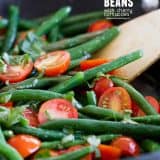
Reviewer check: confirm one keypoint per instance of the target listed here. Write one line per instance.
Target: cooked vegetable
(72, 155)
(91, 98)
(56, 108)
(53, 21)
(101, 85)
(53, 34)
(72, 82)
(109, 151)
(54, 63)
(100, 25)
(35, 83)
(9, 152)
(60, 145)
(71, 42)
(16, 73)
(42, 134)
(83, 17)
(88, 64)
(77, 28)
(28, 95)
(115, 98)
(101, 113)
(150, 145)
(151, 119)
(97, 127)
(127, 146)
(12, 29)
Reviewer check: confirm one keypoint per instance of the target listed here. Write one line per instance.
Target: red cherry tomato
(25, 144)
(15, 74)
(8, 105)
(54, 63)
(127, 145)
(31, 116)
(116, 98)
(99, 25)
(101, 85)
(138, 112)
(109, 152)
(56, 108)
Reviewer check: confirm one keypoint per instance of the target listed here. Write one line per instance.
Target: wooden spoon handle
(141, 33)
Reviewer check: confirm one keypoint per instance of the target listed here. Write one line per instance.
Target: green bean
(95, 44)
(91, 73)
(101, 113)
(12, 28)
(152, 119)
(53, 34)
(29, 95)
(60, 145)
(83, 17)
(35, 83)
(53, 21)
(91, 98)
(101, 127)
(2, 139)
(27, 24)
(71, 42)
(150, 145)
(71, 83)
(136, 96)
(75, 155)
(23, 24)
(76, 62)
(77, 28)
(38, 132)
(9, 152)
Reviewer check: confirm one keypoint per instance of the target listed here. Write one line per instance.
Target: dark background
(36, 8)
(147, 83)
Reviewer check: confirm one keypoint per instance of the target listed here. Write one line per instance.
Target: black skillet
(38, 8)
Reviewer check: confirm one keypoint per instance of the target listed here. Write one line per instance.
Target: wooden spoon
(140, 33)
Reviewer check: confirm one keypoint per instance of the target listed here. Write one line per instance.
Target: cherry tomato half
(99, 25)
(25, 144)
(54, 63)
(138, 112)
(116, 98)
(56, 108)
(101, 85)
(31, 116)
(109, 152)
(15, 74)
(127, 145)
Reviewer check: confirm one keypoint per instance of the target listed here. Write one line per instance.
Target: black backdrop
(36, 8)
